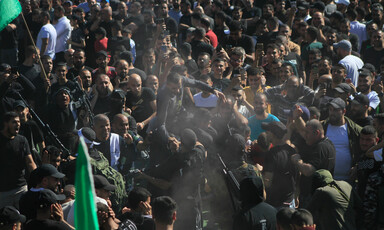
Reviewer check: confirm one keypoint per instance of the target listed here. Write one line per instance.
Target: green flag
(9, 10)
(85, 208)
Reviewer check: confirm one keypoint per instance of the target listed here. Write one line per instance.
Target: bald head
(120, 124)
(122, 69)
(134, 84)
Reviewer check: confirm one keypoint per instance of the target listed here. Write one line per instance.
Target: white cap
(344, 2)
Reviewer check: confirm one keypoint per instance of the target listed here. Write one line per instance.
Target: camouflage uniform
(373, 201)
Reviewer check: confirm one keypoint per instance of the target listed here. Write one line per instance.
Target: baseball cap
(275, 127)
(19, 103)
(361, 99)
(337, 103)
(102, 183)
(48, 170)
(343, 88)
(365, 72)
(101, 53)
(302, 5)
(46, 198)
(343, 44)
(344, 2)
(377, 6)
(10, 215)
(369, 67)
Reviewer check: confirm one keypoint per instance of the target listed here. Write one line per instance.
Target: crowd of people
(208, 114)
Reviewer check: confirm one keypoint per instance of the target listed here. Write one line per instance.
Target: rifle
(46, 129)
(85, 101)
(233, 185)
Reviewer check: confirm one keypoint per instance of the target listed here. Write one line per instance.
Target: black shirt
(46, 224)
(30, 72)
(278, 162)
(139, 72)
(199, 47)
(245, 41)
(140, 105)
(12, 162)
(321, 155)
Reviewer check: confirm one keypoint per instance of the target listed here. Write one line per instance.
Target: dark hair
(302, 217)
(204, 77)
(219, 60)
(173, 78)
(312, 32)
(199, 33)
(180, 69)
(137, 195)
(197, 16)
(314, 51)
(352, 14)
(8, 116)
(29, 51)
(117, 25)
(163, 208)
(185, 49)
(314, 111)
(127, 55)
(235, 26)
(218, 3)
(205, 21)
(368, 130)
(273, 22)
(59, 8)
(45, 14)
(255, 71)
(283, 217)
(220, 14)
(53, 151)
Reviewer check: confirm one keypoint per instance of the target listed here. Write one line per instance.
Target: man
(141, 101)
(334, 203)
(10, 218)
(311, 43)
(374, 54)
(344, 134)
(46, 177)
(112, 145)
(62, 81)
(255, 213)
(320, 154)
(139, 200)
(29, 68)
(367, 164)
(279, 175)
(132, 69)
(243, 106)
(295, 93)
(364, 86)
(46, 39)
(199, 44)
(205, 99)
(351, 63)
(49, 213)
(261, 115)
(359, 110)
(204, 22)
(101, 96)
(86, 81)
(30, 130)
(15, 158)
(152, 83)
(63, 31)
(164, 212)
(237, 38)
(102, 61)
(255, 78)
(378, 123)
(103, 188)
(78, 64)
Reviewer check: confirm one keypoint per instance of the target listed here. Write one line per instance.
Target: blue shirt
(255, 125)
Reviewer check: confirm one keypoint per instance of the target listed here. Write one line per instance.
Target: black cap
(365, 72)
(101, 53)
(302, 5)
(276, 127)
(10, 215)
(337, 103)
(48, 170)
(188, 138)
(46, 198)
(343, 88)
(19, 103)
(318, 5)
(361, 99)
(65, 89)
(88, 133)
(102, 183)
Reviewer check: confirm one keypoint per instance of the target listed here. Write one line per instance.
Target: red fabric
(212, 37)
(101, 44)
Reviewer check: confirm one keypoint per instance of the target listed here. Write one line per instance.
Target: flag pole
(34, 45)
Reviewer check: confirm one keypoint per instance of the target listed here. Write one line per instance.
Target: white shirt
(360, 30)
(343, 162)
(47, 31)
(63, 30)
(209, 102)
(352, 64)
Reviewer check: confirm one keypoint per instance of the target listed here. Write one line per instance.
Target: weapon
(46, 129)
(85, 101)
(233, 185)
